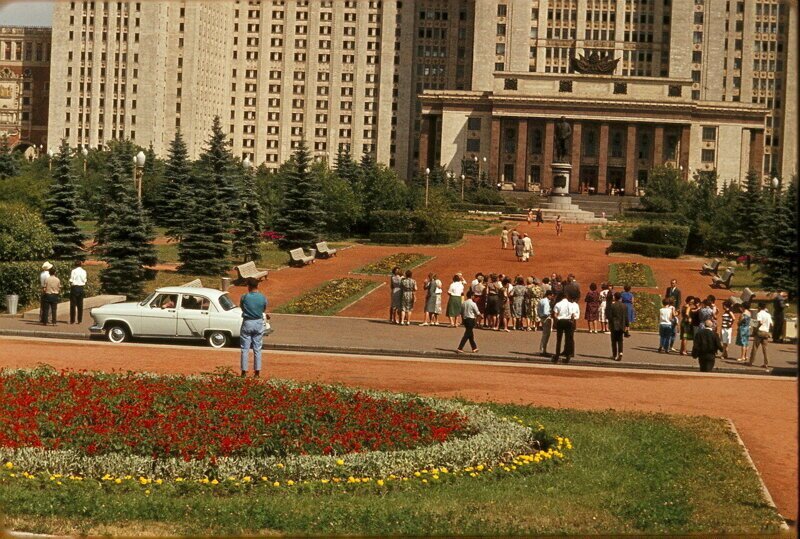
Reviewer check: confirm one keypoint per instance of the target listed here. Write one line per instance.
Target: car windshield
(226, 303)
(147, 300)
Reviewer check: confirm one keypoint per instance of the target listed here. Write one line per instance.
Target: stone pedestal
(559, 196)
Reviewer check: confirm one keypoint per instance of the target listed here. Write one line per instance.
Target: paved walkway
(764, 409)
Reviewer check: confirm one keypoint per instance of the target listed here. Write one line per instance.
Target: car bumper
(96, 330)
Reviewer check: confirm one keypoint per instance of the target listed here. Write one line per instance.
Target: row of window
(16, 50)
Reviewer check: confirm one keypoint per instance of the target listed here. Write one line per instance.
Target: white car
(180, 312)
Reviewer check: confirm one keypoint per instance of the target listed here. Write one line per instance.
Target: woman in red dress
(592, 311)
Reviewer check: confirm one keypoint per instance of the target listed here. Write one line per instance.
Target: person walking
(527, 247)
(743, 332)
(530, 216)
(455, 299)
(559, 227)
(761, 338)
(254, 314)
(469, 314)
(514, 237)
(592, 312)
(52, 293)
(504, 238)
(408, 286)
(778, 317)
(77, 284)
(567, 312)
(544, 311)
(539, 217)
(705, 346)
(618, 324)
(666, 316)
(396, 297)
(519, 249)
(726, 334)
(45, 273)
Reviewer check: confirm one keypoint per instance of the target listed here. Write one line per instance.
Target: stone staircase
(598, 204)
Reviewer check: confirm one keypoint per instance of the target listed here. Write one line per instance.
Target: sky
(30, 13)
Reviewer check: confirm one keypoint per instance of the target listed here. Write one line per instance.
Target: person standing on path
(469, 314)
(761, 337)
(627, 300)
(42, 303)
(778, 308)
(559, 227)
(77, 284)
(618, 324)
(726, 334)
(530, 216)
(544, 311)
(52, 293)
(705, 347)
(433, 300)
(686, 327)
(504, 238)
(567, 312)
(592, 312)
(673, 292)
(409, 288)
(254, 314)
(539, 217)
(743, 332)
(601, 311)
(396, 297)
(455, 297)
(666, 331)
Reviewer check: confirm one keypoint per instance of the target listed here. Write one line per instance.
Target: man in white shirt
(527, 248)
(42, 279)
(761, 337)
(567, 313)
(77, 282)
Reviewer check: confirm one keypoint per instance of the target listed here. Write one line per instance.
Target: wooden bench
(711, 268)
(323, 251)
(298, 257)
(248, 270)
(724, 281)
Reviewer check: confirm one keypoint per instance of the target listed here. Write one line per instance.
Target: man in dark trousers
(617, 316)
(778, 308)
(706, 345)
(675, 293)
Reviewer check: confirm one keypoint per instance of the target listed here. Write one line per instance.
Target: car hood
(130, 307)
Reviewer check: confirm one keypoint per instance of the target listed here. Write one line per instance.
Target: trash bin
(224, 284)
(12, 302)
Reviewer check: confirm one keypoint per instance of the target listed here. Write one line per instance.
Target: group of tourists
(521, 243)
(51, 294)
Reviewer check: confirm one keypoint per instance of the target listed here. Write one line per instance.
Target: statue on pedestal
(563, 132)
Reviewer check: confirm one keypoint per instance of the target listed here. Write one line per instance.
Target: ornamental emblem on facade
(594, 64)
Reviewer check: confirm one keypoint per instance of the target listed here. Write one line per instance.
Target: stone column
(494, 152)
(547, 154)
(521, 164)
(602, 160)
(756, 162)
(658, 146)
(683, 160)
(630, 162)
(424, 140)
(574, 184)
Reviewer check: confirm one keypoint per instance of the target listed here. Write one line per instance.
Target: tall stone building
(24, 86)
(428, 82)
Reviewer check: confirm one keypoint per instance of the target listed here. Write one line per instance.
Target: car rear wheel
(117, 333)
(217, 339)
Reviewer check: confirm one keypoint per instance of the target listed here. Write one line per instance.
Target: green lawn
(611, 231)
(271, 256)
(628, 474)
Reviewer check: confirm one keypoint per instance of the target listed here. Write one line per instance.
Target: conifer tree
(779, 270)
(8, 163)
(61, 213)
(126, 232)
(249, 222)
(175, 192)
(116, 176)
(216, 162)
(302, 220)
(752, 207)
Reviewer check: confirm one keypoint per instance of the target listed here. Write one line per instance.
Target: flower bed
(632, 273)
(203, 428)
(646, 307)
(385, 265)
(330, 298)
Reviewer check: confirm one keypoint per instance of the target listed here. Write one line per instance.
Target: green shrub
(646, 249)
(23, 234)
(22, 278)
(662, 234)
(391, 221)
(392, 238)
(634, 214)
(484, 195)
(409, 238)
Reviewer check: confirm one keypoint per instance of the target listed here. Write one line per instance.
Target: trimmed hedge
(22, 278)
(662, 234)
(647, 249)
(409, 238)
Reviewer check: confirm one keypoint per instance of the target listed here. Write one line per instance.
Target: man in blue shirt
(544, 312)
(254, 307)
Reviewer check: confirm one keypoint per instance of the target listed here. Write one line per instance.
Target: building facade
(24, 86)
(436, 82)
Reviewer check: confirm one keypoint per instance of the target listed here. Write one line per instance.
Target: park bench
(298, 257)
(323, 251)
(711, 268)
(746, 296)
(248, 270)
(724, 281)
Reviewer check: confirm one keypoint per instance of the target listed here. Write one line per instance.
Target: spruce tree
(9, 166)
(176, 189)
(117, 175)
(216, 162)
(752, 208)
(249, 222)
(61, 214)
(779, 270)
(126, 232)
(302, 219)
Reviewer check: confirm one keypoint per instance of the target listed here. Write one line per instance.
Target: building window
(565, 86)
(474, 124)
(590, 143)
(536, 141)
(674, 90)
(707, 156)
(709, 133)
(473, 145)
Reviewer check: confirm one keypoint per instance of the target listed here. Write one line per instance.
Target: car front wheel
(217, 339)
(117, 333)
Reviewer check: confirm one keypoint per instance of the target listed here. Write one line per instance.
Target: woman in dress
(743, 333)
(433, 300)
(493, 303)
(409, 288)
(532, 296)
(396, 295)
(559, 227)
(601, 314)
(687, 330)
(592, 312)
(539, 217)
(519, 248)
(506, 285)
(456, 297)
(627, 300)
(517, 302)
(504, 238)
(530, 216)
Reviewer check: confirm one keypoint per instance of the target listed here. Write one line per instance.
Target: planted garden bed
(646, 306)
(631, 273)
(330, 298)
(385, 265)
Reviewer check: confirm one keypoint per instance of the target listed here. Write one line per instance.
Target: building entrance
(616, 180)
(588, 180)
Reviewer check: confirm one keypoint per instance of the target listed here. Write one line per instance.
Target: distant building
(24, 86)
(699, 84)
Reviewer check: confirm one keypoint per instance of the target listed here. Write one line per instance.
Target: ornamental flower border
(498, 440)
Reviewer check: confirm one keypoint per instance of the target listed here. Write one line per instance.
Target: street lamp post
(463, 177)
(477, 169)
(138, 161)
(50, 155)
(776, 183)
(427, 184)
(84, 153)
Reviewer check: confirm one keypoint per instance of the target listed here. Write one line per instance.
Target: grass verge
(271, 256)
(329, 298)
(384, 266)
(628, 474)
(632, 273)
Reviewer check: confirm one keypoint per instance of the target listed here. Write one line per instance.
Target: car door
(159, 318)
(193, 317)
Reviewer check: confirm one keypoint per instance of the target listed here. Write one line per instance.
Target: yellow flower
(214, 482)
(13, 475)
(280, 465)
(58, 482)
(290, 482)
(246, 479)
(231, 478)
(417, 474)
(264, 478)
(118, 480)
(435, 476)
(143, 480)
(276, 484)
(147, 492)
(179, 479)
(424, 480)
(479, 467)
(380, 482)
(339, 462)
(473, 474)
(159, 481)
(9, 465)
(324, 481)
(444, 470)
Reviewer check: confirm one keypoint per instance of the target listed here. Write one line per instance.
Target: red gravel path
(763, 409)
